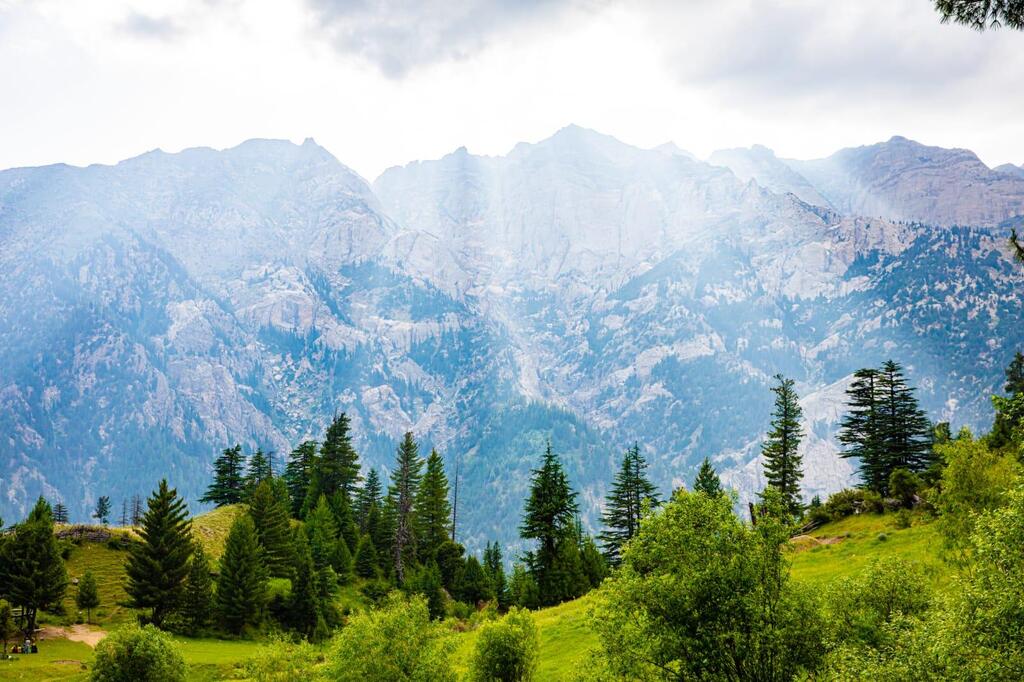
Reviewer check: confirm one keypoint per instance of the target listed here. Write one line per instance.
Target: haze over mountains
(156, 311)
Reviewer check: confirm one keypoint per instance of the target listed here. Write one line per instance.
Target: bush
(506, 650)
(396, 642)
(903, 519)
(134, 654)
(282, 660)
(903, 486)
(882, 537)
(853, 500)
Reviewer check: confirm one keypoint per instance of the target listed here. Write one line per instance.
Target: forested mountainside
(577, 289)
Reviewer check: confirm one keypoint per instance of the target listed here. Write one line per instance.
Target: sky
(385, 83)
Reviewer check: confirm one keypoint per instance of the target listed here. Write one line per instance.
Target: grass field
(107, 565)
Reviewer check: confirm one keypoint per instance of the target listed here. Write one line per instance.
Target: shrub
(882, 537)
(506, 650)
(282, 660)
(903, 519)
(903, 486)
(134, 654)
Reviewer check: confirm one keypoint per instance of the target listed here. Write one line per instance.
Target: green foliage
(102, 513)
(975, 480)
(270, 518)
(630, 490)
(337, 467)
(475, 586)
(259, 470)
(506, 650)
(134, 654)
(283, 660)
(242, 583)
(426, 581)
(433, 511)
(366, 559)
(700, 595)
(783, 464)
(7, 627)
(369, 497)
(158, 565)
(32, 573)
(594, 566)
(707, 480)
(397, 642)
(197, 602)
(306, 605)
(903, 486)
(522, 588)
(88, 596)
(405, 484)
(495, 569)
(979, 16)
(228, 480)
(298, 474)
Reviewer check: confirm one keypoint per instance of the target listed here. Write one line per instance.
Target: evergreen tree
(594, 566)
(1003, 428)
(366, 558)
(242, 583)
(298, 475)
(88, 597)
(624, 504)
(379, 532)
(860, 429)
(32, 574)
(1015, 375)
(305, 607)
(7, 628)
(348, 530)
(475, 586)
(136, 510)
(259, 470)
(228, 480)
(338, 464)
(322, 532)
(495, 570)
(271, 519)
(783, 465)
(197, 600)
(369, 496)
(342, 561)
(905, 431)
(125, 518)
(549, 519)
(433, 511)
(60, 513)
(707, 480)
(427, 581)
(405, 482)
(102, 513)
(522, 588)
(158, 565)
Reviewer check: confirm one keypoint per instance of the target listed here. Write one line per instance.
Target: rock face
(578, 289)
(904, 180)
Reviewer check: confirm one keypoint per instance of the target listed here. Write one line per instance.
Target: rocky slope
(580, 289)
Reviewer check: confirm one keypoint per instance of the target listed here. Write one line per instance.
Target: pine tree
(475, 586)
(298, 475)
(342, 561)
(405, 482)
(242, 583)
(344, 519)
(433, 511)
(273, 532)
(228, 482)
(860, 429)
(259, 470)
(60, 513)
(305, 607)
(88, 597)
(549, 519)
(369, 495)
(427, 582)
(32, 573)
(782, 461)
(102, 513)
(158, 565)
(495, 570)
(380, 534)
(595, 568)
(197, 600)
(322, 532)
(624, 504)
(338, 464)
(905, 431)
(366, 558)
(707, 480)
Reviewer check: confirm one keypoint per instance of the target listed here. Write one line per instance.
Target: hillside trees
(270, 518)
(783, 465)
(197, 602)
(433, 510)
(630, 490)
(32, 573)
(298, 475)
(158, 565)
(405, 482)
(242, 583)
(228, 478)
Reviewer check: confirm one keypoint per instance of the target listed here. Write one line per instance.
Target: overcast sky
(384, 83)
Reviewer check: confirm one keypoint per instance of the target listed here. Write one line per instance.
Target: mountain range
(578, 289)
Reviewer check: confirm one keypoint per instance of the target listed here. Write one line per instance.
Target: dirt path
(86, 634)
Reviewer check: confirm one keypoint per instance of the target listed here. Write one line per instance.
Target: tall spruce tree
(338, 465)
(905, 431)
(369, 495)
(102, 513)
(783, 466)
(624, 504)
(433, 511)
(32, 573)
(242, 583)
(549, 519)
(860, 429)
(305, 607)
(405, 484)
(495, 569)
(60, 513)
(298, 475)
(366, 562)
(158, 565)
(707, 480)
(273, 532)
(228, 479)
(259, 470)
(197, 600)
